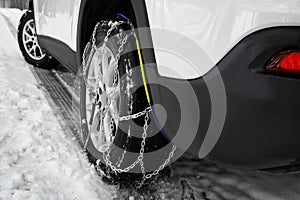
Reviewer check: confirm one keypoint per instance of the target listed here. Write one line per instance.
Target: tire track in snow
(59, 95)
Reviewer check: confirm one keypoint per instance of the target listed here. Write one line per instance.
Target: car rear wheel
(112, 99)
(28, 43)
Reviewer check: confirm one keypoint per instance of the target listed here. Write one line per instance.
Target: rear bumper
(261, 128)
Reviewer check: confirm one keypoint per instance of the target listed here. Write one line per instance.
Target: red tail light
(288, 61)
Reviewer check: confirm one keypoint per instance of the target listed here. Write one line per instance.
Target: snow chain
(146, 112)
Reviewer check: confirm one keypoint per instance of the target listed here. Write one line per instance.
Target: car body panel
(215, 25)
(260, 129)
(58, 20)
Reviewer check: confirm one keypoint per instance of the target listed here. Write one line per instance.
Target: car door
(56, 26)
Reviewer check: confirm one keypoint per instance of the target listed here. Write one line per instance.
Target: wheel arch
(94, 11)
(30, 5)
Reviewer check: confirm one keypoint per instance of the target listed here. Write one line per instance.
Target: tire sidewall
(44, 62)
(122, 141)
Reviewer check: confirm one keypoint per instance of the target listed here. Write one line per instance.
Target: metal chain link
(154, 173)
(140, 157)
(135, 116)
(146, 112)
(93, 50)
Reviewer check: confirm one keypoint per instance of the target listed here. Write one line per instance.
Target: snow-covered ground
(207, 181)
(38, 160)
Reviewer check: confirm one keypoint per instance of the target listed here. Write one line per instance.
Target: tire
(123, 139)
(28, 43)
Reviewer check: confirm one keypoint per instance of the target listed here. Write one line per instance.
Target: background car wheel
(28, 43)
(130, 99)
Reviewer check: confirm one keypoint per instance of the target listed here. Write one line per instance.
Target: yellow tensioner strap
(143, 71)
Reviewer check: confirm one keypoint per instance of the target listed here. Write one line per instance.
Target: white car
(217, 78)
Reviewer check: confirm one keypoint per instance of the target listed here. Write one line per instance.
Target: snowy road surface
(39, 159)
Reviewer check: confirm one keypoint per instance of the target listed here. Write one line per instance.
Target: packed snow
(38, 160)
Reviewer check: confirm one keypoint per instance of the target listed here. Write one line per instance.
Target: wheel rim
(30, 41)
(102, 129)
